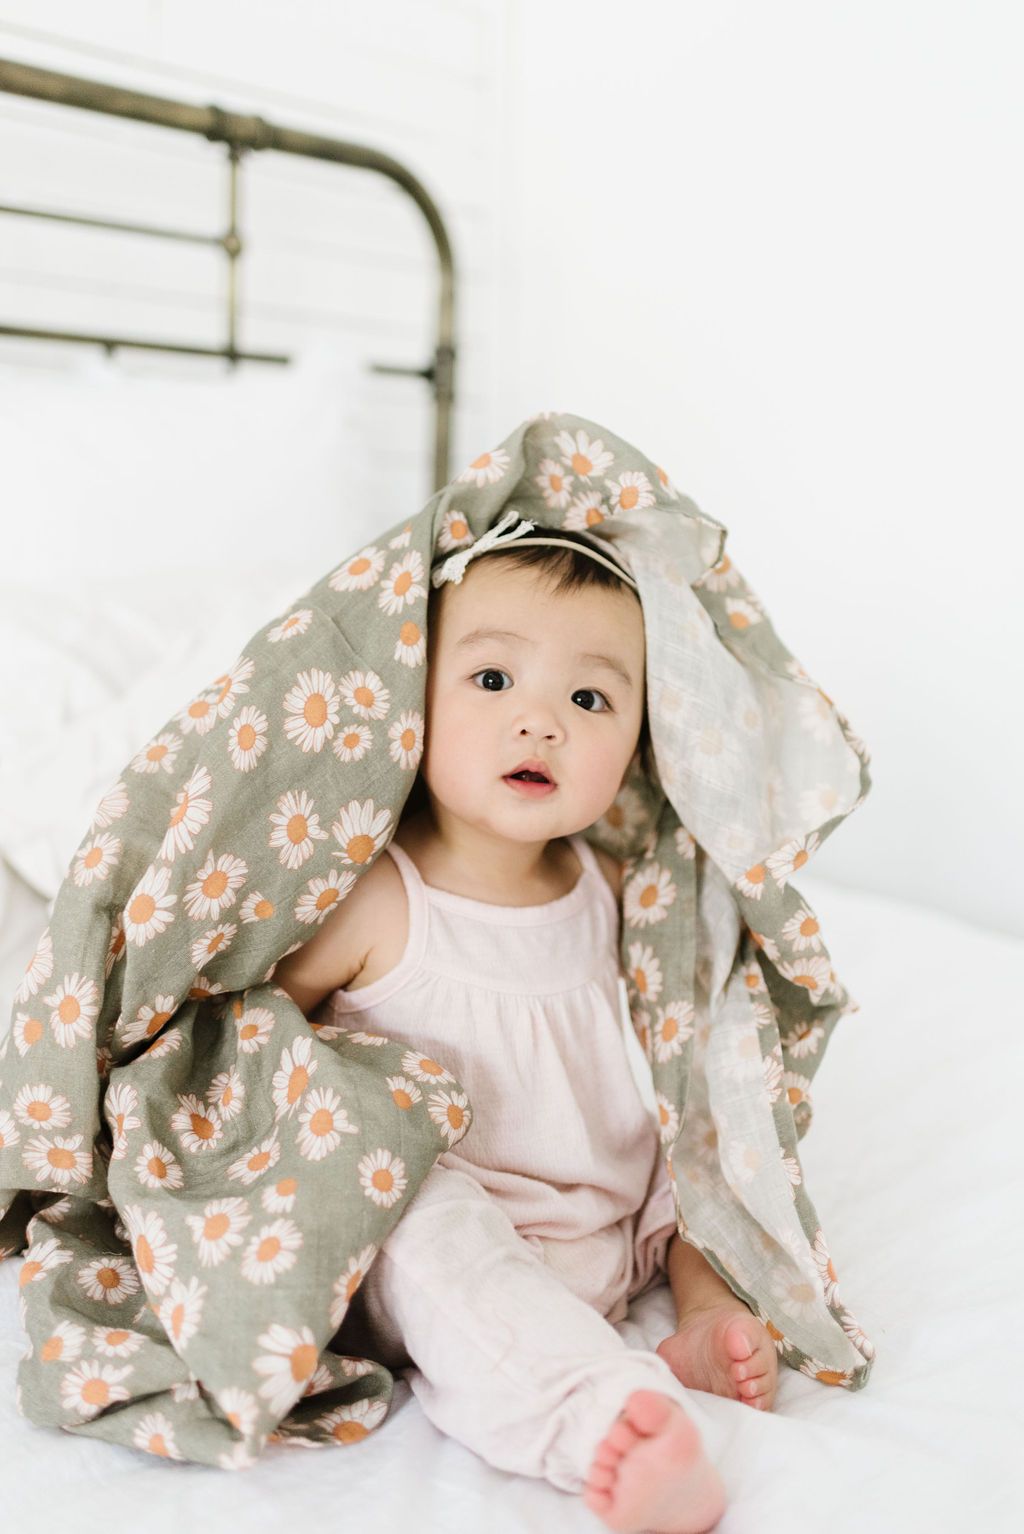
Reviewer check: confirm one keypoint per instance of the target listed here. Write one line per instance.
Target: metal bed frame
(242, 133)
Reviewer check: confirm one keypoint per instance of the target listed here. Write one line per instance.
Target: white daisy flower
(293, 1076)
(349, 1424)
(116, 945)
(227, 1094)
(40, 1107)
(360, 831)
(38, 969)
(647, 896)
(75, 1007)
(147, 1022)
(365, 694)
(404, 584)
(156, 1167)
(296, 827)
(360, 572)
(410, 645)
(451, 1113)
(322, 895)
(271, 1252)
(256, 907)
(454, 531)
(406, 737)
(254, 1027)
(256, 1162)
(425, 1069)
(149, 908)
(26, 1031)
(64, 1344)
(190, 814)
(160, 755)
(119, 1107)
(349, 1280)
(295, 623)
(352, 742)
(280, 1197)
(586, 511)
(212, 944)
(153, 1250)
(289, 1361)
(155, 1433)
(404, 1093)
(322, 1122)
(181, 1310)
(218, 1228)
(644, 973)
(554, 484)
(41, 1258)
(199, 716)
(382, 1177)
(215, 886)
(487, 469)
(312, 709)
(225, 690)
(96, 858)
(247, 738)
(632, 491)
(116, 1341)
(112, 806)
(110, 1278)
(9, 1132)
(198, 1127)
(240, 1407)
(90, 1387)
(582, 454)
(672, 1027)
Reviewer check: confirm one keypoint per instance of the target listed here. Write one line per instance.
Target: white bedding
(913, 1162)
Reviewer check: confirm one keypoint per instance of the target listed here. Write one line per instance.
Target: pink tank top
(525, 1006)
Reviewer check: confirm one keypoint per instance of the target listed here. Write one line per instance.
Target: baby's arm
(339, 948)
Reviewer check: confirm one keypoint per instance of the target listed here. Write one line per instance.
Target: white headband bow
(454, 567)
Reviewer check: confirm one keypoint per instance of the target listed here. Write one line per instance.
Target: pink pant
(509, 1354)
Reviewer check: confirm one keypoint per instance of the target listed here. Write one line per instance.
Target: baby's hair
(570, 571)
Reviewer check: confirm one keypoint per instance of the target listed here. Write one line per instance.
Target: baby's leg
(506, 1359)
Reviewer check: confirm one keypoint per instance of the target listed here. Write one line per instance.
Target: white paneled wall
(330, 251)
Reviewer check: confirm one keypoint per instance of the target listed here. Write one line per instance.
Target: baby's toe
(601, 1477)
(621, 1437)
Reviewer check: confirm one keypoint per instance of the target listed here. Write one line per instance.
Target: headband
(454, 568)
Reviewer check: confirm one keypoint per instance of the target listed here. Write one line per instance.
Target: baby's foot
(726, 1350)
(651, 1472)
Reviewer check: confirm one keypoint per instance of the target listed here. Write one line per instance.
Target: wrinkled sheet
(925, 1224)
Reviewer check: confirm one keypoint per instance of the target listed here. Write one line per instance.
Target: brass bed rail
(241, 133)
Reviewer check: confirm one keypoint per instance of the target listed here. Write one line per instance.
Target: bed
(923, 1222)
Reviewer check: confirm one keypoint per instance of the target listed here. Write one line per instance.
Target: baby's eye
(593, 692)
(491, 671)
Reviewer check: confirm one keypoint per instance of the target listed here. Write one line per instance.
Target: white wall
(779, 247)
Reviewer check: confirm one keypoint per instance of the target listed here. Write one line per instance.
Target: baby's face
(495, 701)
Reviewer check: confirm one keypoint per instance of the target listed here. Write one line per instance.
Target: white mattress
(913, 1163)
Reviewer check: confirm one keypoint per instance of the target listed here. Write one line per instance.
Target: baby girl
(490, 937)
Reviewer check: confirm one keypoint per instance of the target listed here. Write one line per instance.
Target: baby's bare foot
(726, 1350)
(651, 1472)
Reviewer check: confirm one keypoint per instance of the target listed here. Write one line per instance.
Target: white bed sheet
(914, 1164)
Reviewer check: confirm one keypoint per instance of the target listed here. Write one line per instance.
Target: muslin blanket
(200, 1178)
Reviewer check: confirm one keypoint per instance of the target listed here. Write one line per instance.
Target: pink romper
(505, 1277)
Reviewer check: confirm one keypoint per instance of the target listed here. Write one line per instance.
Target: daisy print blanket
(199, 1178)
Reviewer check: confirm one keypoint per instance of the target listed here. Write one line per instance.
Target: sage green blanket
(200, 1178)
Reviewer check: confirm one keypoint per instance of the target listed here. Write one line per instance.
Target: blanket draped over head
(200, 1177)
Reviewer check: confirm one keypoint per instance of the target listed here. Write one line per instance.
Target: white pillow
(91, 684)
(109, 475)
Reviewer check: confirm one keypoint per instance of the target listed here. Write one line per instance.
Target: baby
(489, 936)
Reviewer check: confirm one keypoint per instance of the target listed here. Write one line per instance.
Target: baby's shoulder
(611, 867)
